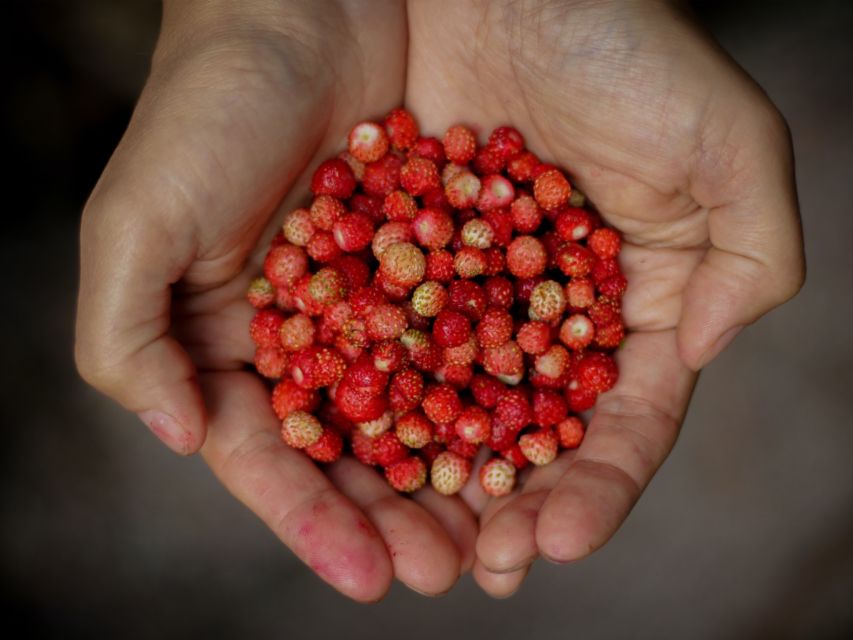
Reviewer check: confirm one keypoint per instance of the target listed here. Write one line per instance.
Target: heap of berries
(437, 297)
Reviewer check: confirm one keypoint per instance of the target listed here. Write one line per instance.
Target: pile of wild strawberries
(437, 296)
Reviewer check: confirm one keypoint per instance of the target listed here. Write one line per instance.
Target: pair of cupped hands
(675, 145)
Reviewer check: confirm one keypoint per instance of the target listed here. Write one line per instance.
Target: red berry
(450, 328)
(387, 449)
(506, 362)
(513, 411)
(328, 447)
(271, 362)
(407, 387)
(526, 214)
(500, 220)
(605, 243)
(495, 192)
(610, 336)
(287, 396)
(367, 377)
(486, 390)
(577, 332)
(506, 142)
(495, 328)
(574, 260)
(371, 206)
(614, 286)
(353, 232)
(441, 404)
(469, 262)
(389, 355)
(526, 257)
(429, 148)
(487, 161)
(386, 322)
(474, 425)
(367, 142)
(402, 129)
(551, 189)
(296, 333)
(596, 372)
(388, 234)
(580, 293)
(460, 144)
(439, 266)
(419, 175)
(549, 407)
(521, 167)
(463, 354)
(514, 454)
(554, 362)
(573, 224)
(334, 178)
(432, 228)
(540, 447)
(408, 475)
(414, 429)
(399, 205)
(284, 264)
(383, 176)
(468, 298)
(534, 337)
(264, 328)
(570, 432)
(325, 211)
(354, 270)
(317, 367)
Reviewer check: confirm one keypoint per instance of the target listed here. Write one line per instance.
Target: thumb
(756, 260)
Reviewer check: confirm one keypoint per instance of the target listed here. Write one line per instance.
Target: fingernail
(722, 342)
(168, 430)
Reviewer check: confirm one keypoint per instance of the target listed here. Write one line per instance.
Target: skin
(675, 145)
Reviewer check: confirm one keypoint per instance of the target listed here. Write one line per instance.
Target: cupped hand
(678, 149)
(243, 101)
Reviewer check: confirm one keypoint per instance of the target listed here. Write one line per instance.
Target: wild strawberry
(429, 298)
(461, 448)
(439, 266)
(495, 192)
(431, 149)
(402, 129)
(389, 355)
(495, 328)
(521, 166)
(468, 298)
(534, 337)
(605, 243)
(388, 234)
(317, 367)
(325, 211)
(506, 362)
(403, 264)
(367, 142)
(353, 232)
(487, 161)
(460, 144)
(322, 247)
(450, 328)
(500, 220)
(300, 429)
(432, 228)
(553, 362)
(549, 407)
(362, 448)
(596, 372)
(327, 286)
(551, 189)
(506, 141)
(408, 475)
(577, 332)
(497, 477)
(499, 292)
(366, 376)
(463, 354)
(376, 427)
(333, 178)
(400, 206)
(261, 293)
(610, 336)
(574, 260)
(414, 429)
(604, 268)
(474, 425)
(284, 264)
(302, 301)
(441, 404)
(365, 299)
(495, 261)
(355, 165)
(449, 473)
(513, 411)
(406, 390)
(387, 322)
(383, 176)
(463, 190)
(614, 286)
(271, 362)
(573, 224)
(526, 257)
(486, 390)
(514, 455)
(604, 311)
(371, 206)
(297, 227)
(287, 396)
(526, 214)
(328, 447)
(354, 333)
(354, 270)
(419, 175)
(264, 327)
(570, 432)
(387, 449)
(296, 333)
(444, 433)
(524, 287)
(477, 233)
(580, 293)
(457, 376)
(547, 301)
(540, 447)
(579, 397)
(469, 262)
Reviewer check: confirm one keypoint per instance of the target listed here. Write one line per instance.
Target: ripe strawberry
(526, 214)
(450, 328)
(605, 243)
(540, 447)
(325, 211)
(495, 328)
(271, 362)
(577, 332)
(596, 372)
(328, 447)
(500, 220)
(419, 175)
(610, 336)
(514, 454)
(432, 228)
(402, 129)
(505, 362)
(354, 334)
(327, 286)
(573, 224)
(604, 268)
(388, 234)
(469, 262)
(371, 206)
(574, 260)
(389, 355)
(461, 448)
(322, 247)
(284, 264)
(449, 473)
(488, 160)
(551, 189)
(387, 449)
(297, 227)
(474, 425)
(300, 429)
(358, 405)
(382, 177)
(367, 377)
(513, 411)
(367, 142)
(444, 433)
(604, 311)
(463, 354)
(463, 190)
(499, 292)
(353, 232)
(287, 396)
(296, 333)
(386, 322)
(526, 257)
(570, 432)
(534, 337)
(365, 299)
(460, 144)
(400, 206)
(549, 407)
(431, 149)
(497, 477)
(524, 287)
(362, 448)
(302, 301)
(580, 398)
(333, 178)
(547, 301)
(439, 266)
(441, 404)
(522, 166)
(580, 293)
(553, 362)
(468, 298)
(407, 390)
(317, 367)
(403, 264)
(506, 142)
(354, 270)
(495, 192)
(486, 390)
(376, 427)
(264, 327)
(457, 376)
(614, 286)
(408, 475)
(414, 429)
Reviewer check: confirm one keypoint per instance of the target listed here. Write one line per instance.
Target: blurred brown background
(747, 531)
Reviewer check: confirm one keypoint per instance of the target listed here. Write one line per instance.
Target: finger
(424, 557)
(458, 522)
(756, 261)
(632, 430)
(287, 490)
(498, 585)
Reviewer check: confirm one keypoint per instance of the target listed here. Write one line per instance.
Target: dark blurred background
(747, 531)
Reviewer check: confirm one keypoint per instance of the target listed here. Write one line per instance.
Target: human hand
(683, 153)
(243, 100)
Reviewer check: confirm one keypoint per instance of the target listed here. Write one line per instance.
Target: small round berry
(300, 429)
(333, 178)
(368, 142)
(403, 264)
(460, 144)
(526, 257)
(551, 189)
(429, 298)
(450, 328)
(441, 404)
(497, 477)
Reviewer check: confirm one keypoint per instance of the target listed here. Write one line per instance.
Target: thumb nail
(721, 343)
(168, 430)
